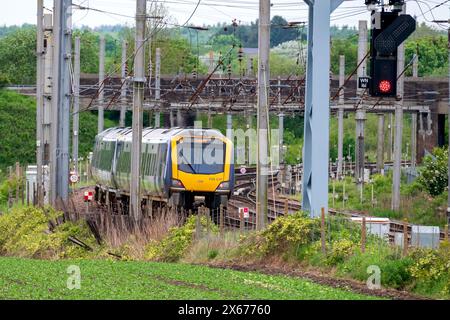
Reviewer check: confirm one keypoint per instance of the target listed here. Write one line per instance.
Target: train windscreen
(201, 156)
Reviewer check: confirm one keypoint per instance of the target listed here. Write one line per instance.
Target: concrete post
(380, 143)
(76, 103)
(359, 148)
(40, 80)
(123, 95)
(361, 114)
(341, 116)
(138, 99)
(398, 127)
(229, 126)
(101, 81)
(61, 100)
(391, 138)
(413, 139)
(158, 86)
(263, 101)
(281, 134)
(415, 66)
(179, 118)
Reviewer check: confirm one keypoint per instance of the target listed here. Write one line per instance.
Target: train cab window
(201, 156)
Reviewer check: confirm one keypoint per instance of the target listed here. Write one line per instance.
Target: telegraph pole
(361, 113)
(341, 116)
(398, 126)
(40, 80)
(157, 86)
(123, 94)
(101, 81)
(61, 100)
(263, 105)
(138, 99)
(448, 111)
(49, 142)
(76, 103)
(413, 140)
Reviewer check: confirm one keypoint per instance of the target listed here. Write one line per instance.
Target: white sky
(212, 11)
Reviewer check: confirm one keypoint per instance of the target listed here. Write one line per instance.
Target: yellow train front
(179, 167)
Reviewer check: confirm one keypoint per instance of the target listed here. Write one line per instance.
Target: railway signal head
(389, 30)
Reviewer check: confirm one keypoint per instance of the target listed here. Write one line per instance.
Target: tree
(17, 56)
(434, 174)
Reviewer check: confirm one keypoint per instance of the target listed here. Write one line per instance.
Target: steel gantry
(317, 107)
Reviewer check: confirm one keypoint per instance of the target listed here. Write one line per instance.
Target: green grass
(100, 279)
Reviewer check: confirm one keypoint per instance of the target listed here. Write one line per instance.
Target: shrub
(431, 269)
(340, 250)
(175, 244)
(433, 176)
(394, 271)
(24, 232)
(212, 254)
(282, 235)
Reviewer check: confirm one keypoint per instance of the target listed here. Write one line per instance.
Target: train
(180, 168)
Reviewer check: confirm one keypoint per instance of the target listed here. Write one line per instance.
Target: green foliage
(212, 254)
(179, 239)
(17, 56)
(433, 176)
(282, 235)
(18, 145)
(340, 250)
(394, 270)
(17, 132)
(432, 52)
(347, 47)
(431, 269)
(24, 232)
(4, 81)
(40, 279)
(6, 186)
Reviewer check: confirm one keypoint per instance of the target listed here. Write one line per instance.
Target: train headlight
(224, 185)
(177, 183)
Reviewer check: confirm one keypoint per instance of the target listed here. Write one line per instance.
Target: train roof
(154, 134)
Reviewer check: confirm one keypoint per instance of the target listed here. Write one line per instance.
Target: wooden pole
(286, 207)
(405, 237)
(241, 221)
(22, 192)
(28, 193)
(221, 219)
(9, 197)
(322, 230)
(446, 233)
(363, 234)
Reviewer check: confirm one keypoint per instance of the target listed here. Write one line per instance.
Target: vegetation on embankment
(423, 201)
(292, 242)
(18, 129)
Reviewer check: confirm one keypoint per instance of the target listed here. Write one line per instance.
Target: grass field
(100, 279)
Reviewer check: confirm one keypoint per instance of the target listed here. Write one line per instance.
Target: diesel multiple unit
(179, 167)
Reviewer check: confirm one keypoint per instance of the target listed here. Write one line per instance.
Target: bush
(433, 176)
(283, 235)
(173, 247)
(394, 271)
(24, 232)
(340, 251)
(431, 269)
